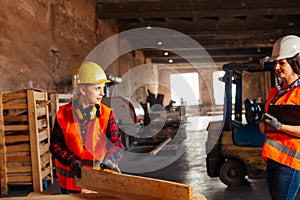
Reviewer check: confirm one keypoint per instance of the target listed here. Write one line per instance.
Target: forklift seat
(249, 134)
(254, 111)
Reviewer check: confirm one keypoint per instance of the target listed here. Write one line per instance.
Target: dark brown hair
(295, 63)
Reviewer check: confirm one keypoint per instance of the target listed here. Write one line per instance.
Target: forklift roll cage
(233, 148)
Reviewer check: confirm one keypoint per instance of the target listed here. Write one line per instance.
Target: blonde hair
(76, 93)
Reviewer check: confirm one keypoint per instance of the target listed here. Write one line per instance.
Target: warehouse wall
(42, 40)
(138, 75)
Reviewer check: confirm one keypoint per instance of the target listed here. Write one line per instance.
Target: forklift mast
(233, 75)
(233, 147)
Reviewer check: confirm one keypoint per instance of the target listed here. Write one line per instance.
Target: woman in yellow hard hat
(281, 149)
(85, 131)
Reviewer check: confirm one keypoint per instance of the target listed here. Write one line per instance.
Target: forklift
(234, 144)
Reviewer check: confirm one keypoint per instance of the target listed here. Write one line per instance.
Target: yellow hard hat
(89, 73)
(74, 75)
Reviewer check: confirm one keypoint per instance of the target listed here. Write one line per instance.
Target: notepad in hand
(286, 113)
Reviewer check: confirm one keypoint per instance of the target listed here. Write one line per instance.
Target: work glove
(271, 121)
(76, 168)
(108, 164)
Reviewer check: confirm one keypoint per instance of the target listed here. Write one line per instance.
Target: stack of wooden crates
(57, 100)
(25, 139)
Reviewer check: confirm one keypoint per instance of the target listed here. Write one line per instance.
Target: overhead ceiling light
(148, 27)
(170, 60)
(159, 43)
(166, 53)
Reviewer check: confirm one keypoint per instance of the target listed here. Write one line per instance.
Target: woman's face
(92, 94)
(283, 69)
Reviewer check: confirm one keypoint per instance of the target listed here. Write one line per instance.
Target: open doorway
(219, 88)
(185, 88)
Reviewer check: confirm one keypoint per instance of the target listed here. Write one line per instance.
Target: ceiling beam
(235, 30)
(190, 8)
(290, 22)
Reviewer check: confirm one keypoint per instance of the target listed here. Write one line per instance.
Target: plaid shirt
(58, 148)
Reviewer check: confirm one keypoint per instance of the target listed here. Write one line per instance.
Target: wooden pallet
(57, 100)
(24, 139)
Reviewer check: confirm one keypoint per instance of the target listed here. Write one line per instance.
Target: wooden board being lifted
(110, 186)
(129, 187)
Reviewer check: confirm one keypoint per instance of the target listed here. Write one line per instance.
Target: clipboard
(286, 113)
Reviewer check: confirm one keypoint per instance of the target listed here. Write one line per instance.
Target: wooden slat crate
(57, 100)
(24, 139)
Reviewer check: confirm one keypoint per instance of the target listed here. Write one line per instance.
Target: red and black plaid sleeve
(115, 148)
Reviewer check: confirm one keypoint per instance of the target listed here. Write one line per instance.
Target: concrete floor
(190, 168)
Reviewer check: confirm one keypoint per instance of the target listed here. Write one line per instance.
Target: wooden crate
(24, 139)
(57, 100)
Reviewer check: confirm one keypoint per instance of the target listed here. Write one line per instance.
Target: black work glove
(75, 166)
(271, 121)
(108, 164)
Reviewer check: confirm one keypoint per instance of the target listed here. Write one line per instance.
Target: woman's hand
(271, 121)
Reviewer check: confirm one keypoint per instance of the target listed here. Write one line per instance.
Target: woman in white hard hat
(85, 132)
(281, 149)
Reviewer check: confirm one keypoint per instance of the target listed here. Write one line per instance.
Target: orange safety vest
(281, 147)
(92, 152)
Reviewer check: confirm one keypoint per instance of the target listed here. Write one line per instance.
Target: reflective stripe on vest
(281, 147)
(92, 153)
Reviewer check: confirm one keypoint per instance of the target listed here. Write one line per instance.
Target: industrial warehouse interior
(188, 84)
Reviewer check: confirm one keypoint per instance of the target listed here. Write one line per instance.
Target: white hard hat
(286, 47)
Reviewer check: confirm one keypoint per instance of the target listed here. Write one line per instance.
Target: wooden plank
(15, 95)
(64, 96)
(16, 138)
(19, 169)
(45, 158)
(160, 146)
(17, 112)
(22, 158)
(19, 179)
(43, 135)
(21, 127)
(41, 111)
(19, 118)
(48, 142)
(44, 196)
(34, 143)
(17, 148)
(41, 123)
(46, 172)
(133, 187)
(14, 106)
(44, 148)
(83, 196)
(3, 169)
(53, 107)
(39, 95)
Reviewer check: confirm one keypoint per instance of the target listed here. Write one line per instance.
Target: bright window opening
(185, 88)
(219, 88)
